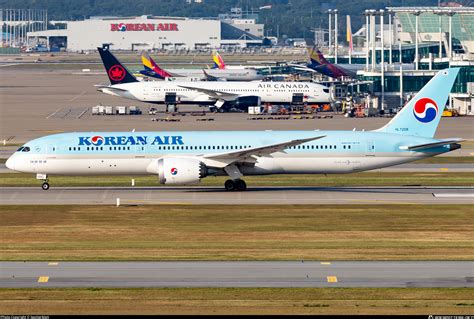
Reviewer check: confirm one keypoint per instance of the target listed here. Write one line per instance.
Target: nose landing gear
(44, 177)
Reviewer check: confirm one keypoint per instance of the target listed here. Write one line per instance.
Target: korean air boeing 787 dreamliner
(180, 158)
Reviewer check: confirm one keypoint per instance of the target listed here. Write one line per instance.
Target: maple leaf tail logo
(117, 73)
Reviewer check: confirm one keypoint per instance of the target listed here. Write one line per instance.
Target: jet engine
(244, 102)
(180, 170)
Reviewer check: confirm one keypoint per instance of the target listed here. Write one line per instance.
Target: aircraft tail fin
(316, 57)
(116, 72)
(319, 63)
(421, 115)
(152, 69)
(218, 61)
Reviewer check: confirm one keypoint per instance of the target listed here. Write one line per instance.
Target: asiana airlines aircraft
(181, 158)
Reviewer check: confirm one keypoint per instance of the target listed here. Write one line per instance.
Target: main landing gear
(235, 185)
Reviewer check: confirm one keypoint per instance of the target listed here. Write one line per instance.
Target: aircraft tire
(45, 186)
(240, 185)
(229, 185)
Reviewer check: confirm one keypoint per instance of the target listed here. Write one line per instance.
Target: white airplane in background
(180, 158)
(219, 94)
(217, 73)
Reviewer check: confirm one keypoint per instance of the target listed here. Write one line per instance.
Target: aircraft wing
(224, 159)
(212, 78)
(431, 145)
(300, 67)
(219, 95)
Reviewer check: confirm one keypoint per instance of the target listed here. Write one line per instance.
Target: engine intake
(180, 170)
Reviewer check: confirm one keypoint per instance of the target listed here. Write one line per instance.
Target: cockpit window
(25, 149)
(20, 149)
(326, 90)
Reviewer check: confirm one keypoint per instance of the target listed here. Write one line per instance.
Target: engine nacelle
(180, 170)
(245, 101)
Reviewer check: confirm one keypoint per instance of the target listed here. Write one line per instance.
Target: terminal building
(148, 33)
(429, 38)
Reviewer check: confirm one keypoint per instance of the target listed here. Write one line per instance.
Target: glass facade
(408, 54)
(462, 25)
(415, 83)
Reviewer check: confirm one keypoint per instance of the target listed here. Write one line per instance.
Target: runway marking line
(453, 195)
(43, 279)
(53, 264)
(377, 201)
(332, 279)
(154, 202)
(325, 263)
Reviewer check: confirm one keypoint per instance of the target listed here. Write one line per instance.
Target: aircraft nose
(10, 163)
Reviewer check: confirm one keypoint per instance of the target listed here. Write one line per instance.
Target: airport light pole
(335, 36)
(451, 51)
(1, 27)
(401, 84)
(390, 36)
(367, 14)
(330, 31)
(439, 13)
(382, 67)
(10, 28)
(416, 14)
(373, 37)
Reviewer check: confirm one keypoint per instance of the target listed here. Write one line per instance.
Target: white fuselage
(269, 92)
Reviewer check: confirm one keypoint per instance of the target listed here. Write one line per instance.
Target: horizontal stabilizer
(431, 145)
(110, 88)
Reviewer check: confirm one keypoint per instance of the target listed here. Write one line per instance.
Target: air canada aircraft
(216, 94)
(181, 158)
(218, 73)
